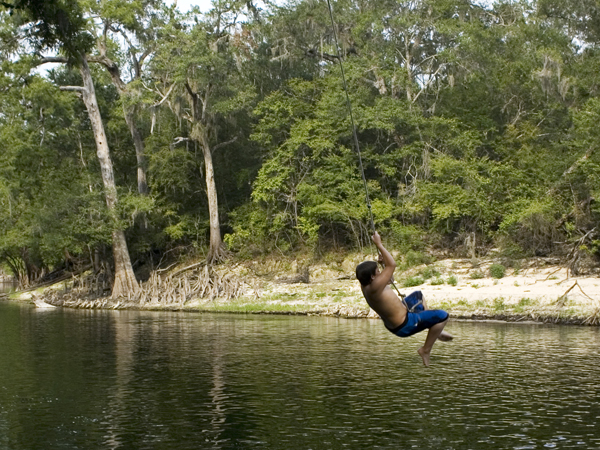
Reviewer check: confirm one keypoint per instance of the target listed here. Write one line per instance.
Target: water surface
(76, 379)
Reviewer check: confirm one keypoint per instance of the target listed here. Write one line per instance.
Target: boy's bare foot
(424, 355)
(445, 336)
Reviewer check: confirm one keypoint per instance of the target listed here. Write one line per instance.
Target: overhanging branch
(79, 89)
(223, 144)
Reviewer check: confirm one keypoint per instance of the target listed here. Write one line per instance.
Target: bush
(413, 281)
(406, 238)
(437, 281)
(452, 280)
(413, 258)
(497, 271)
(429, 272)
(476, 275)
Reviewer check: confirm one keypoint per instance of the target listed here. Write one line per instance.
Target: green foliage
(413, 281)
(412, 258)
(429, 272)
(437, 281)
(485, 128)
(498, 304)
(531, 224)
(524, 304)
(452, 280)
(52, 24)
(476, 275)
(497, 271)
(406, 238)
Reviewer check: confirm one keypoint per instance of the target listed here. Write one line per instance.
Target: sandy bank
(539, 292)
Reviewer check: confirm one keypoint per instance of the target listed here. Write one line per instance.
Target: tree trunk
(138, 142)
(125, 283)
(129, 114)
(216, 251)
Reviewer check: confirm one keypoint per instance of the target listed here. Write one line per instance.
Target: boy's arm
(383, 279)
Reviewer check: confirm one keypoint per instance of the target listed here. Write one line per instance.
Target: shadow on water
(124, 379)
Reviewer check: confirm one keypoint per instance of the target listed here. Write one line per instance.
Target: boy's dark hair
(365, 271)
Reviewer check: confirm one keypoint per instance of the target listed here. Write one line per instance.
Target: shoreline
(541, 293)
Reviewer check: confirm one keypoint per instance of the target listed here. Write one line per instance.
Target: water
(7, 286)
(73, 379)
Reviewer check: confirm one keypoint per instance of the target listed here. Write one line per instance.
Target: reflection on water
(100, 379)
(7, 286)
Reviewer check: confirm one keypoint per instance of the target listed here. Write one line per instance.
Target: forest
(132, 134)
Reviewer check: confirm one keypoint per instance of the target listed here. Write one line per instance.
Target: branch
(429, 81)
(165, 96)
(570, 170)
(312, 53)
(223, 144)
(52, 59)
(79, 89)
(179, 140)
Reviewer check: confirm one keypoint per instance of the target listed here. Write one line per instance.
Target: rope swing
(349, 105)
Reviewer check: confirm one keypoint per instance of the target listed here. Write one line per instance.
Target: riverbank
(483, 290)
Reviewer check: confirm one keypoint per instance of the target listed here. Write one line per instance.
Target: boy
(396, 318)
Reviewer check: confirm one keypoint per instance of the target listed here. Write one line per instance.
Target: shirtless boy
(384, 301)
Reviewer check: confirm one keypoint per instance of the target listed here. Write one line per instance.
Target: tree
(63, 25)
(201, 81)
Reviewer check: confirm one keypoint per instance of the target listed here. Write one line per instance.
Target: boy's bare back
(385, 303)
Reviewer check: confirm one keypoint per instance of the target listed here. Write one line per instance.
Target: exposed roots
(217, 255)
(202, 283)
(195, 282)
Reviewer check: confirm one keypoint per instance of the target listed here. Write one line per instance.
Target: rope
(349, 105)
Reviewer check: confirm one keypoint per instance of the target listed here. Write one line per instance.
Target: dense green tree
(65, 28)
(200, 72)
(476, 126)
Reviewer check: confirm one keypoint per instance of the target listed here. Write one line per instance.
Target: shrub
(437, 281)
(413, 281)
(429, 272)
(477, 275)
(497, 271)
(452, 280)
(406, 238)
(413, 258)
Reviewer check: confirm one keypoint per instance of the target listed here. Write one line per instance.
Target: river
(79, 379)
(7, 286)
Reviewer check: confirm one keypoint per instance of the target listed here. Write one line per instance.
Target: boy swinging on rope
(401, 317)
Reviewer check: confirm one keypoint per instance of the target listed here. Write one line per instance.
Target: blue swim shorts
(419, 321)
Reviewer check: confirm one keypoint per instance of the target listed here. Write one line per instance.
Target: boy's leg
(434, 333)
(444, 335)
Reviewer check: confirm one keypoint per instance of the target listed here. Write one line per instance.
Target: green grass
(476, 275)
(413, 281)
(283, 297)
(257, 306)
(524, 303)
(437, 281)
(498, 304)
